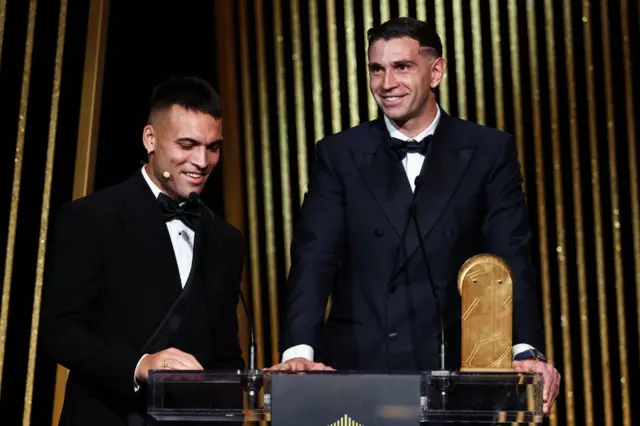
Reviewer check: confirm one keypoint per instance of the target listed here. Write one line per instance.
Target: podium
(485, 390)
(346, 398)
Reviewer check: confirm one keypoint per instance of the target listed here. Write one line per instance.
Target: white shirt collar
(395, 133)
(154, 188)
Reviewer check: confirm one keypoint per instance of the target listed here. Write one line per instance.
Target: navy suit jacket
(355, 241)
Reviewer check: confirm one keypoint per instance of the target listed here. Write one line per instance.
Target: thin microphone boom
(252, 385)
(418, 183)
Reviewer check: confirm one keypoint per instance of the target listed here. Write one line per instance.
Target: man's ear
(149, 138)
(438, 68)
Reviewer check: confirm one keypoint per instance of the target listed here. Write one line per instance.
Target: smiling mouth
(194, 175)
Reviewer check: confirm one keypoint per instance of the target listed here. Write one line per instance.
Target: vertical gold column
(334, 73)
(283, 134)
(597, 216)
(403, 8)
(44, 215)
(421, 10)
(233, 182)
(441, 25)
(3, 11)
(15, 187)
(631, 142)
(298, 87)
(514, 49)
(385, 11)
(352, 63)
(88, 127)
(577, 215)
(497, 61)
(563, 282)
(250, 175)
(367, 11)
(267, 182)
(478, 70)
(540, 182)
(316, 76)
(461, 74)
(615, 216)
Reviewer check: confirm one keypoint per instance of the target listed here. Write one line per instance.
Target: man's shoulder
(480, 131)
(100, 203)
(352, 136)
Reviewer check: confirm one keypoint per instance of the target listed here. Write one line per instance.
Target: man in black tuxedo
(356, 239)
(142, 275)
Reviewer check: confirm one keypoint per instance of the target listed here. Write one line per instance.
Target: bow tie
(187, 211)
(400, 148)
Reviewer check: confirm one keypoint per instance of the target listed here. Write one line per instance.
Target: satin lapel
(151, 244)
(385, 177)
(443, 168)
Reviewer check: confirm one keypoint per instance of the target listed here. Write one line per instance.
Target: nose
(389, 81)
(199, 157)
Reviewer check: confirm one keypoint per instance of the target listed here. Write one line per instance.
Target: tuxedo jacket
(355, 241)
(112, 279)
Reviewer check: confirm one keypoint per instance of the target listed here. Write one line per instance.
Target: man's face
(402, 77)
(187, 145)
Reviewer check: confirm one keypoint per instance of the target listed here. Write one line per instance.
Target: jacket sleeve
(315, 255)
(507, 233)
(71, 292)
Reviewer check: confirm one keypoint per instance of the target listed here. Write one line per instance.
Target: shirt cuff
(521, 347)
(299, 351)
(136, 386)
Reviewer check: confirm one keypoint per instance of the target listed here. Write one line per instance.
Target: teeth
(193, 175)
(394, 98)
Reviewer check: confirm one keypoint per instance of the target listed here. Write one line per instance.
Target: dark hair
(422, 32)
(191, 93)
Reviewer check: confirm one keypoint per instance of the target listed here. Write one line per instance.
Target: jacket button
(378, 232)
(393, 336)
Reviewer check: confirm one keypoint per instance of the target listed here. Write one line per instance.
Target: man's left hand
(550, 380)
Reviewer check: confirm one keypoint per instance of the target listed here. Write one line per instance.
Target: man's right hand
(300, 364)
(168, 359)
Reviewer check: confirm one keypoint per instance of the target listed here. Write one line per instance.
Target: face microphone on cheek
(166, 175)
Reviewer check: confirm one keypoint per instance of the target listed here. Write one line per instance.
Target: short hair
(191, 93)
(421, 31)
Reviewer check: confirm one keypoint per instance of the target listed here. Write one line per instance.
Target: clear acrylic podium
(346, 398)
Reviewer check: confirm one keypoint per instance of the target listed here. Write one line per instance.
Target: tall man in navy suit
(141, 275)
(356, 240)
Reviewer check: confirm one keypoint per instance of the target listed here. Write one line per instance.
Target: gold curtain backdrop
(559, 75)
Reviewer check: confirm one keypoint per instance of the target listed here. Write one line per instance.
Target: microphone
(414, 215)
(166, 175)
(253, 385)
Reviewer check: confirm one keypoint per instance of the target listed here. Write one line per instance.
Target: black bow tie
(187, 211)
(399, 148)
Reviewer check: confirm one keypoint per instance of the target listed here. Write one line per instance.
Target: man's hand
(299, 364)
(550, 380)
(168, 359)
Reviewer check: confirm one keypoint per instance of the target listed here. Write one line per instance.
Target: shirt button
(393, 336)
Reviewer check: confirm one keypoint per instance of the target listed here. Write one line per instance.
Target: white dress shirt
(412, 163)
(182, 239)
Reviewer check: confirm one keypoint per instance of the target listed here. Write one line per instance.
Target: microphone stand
(252, 380)
(443, 373)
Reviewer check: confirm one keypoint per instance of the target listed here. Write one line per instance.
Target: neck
(412, 127)
(160, 181)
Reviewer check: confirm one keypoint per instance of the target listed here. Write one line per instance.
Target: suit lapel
(151, 244)
(443, 168)
(385, 177)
